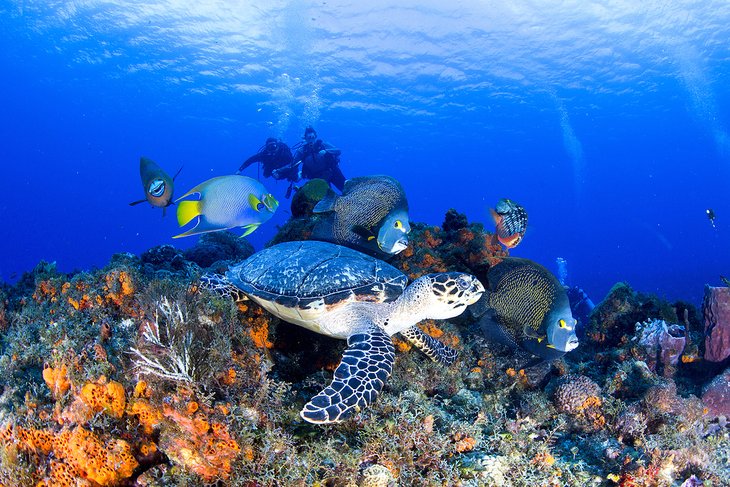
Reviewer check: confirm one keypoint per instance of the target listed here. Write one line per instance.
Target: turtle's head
(450, 293)
(220, 287)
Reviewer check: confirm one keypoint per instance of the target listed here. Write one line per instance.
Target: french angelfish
(511, 222)
(226, 202)
(371, 215)
(158, 185)
(527, 307)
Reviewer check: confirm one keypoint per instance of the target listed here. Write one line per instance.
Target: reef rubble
(130, 375)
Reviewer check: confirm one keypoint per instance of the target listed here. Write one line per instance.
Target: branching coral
(171, 360)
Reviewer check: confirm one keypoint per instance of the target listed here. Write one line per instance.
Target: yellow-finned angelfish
(527, 307)
(158, 185)
(226, 202)
(370, 215)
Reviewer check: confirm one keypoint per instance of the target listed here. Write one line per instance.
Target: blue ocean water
(608, 121)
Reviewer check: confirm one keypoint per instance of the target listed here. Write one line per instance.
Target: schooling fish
(226, 202)
(157, 184)
(527, 307)
(371, 215)
(511, 221)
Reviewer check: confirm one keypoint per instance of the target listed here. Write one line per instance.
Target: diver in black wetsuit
(274, 155)
(314, 159)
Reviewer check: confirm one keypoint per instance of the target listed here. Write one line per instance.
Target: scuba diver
(273, 155)
(314, 158)
(580, 304)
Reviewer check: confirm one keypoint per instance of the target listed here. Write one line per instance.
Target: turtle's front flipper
(434, 349)
(221, 287)
(365, 366)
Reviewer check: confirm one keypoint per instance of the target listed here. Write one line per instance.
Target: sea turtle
(343, 293)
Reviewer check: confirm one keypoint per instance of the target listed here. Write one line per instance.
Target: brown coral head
(576, 393)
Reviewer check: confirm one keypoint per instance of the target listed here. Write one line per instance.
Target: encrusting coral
(75, 453)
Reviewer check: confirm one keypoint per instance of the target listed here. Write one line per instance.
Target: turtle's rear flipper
(221, 287)
(434, 349)
(365, 366)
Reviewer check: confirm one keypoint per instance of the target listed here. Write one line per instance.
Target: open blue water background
(607, 120)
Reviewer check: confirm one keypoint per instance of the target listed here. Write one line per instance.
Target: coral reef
(127, 375)
(613, 320)
(457, 245)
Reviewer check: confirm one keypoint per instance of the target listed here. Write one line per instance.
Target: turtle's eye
(398, 225)
(463, 282)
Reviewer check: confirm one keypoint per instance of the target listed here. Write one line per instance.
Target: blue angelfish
(226, 202)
